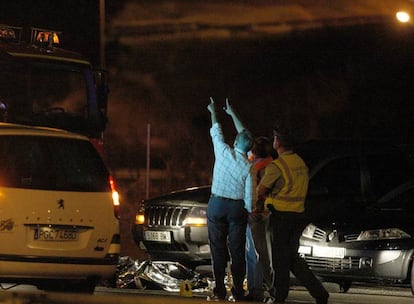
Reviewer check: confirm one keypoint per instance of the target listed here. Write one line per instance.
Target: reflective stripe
(286, 173)
(292, 195)
(291, 199)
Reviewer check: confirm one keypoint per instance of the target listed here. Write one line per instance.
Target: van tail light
(115, 197)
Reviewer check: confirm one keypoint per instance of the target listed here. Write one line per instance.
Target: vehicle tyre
(412, 280)
(81, 286)
(344, 286)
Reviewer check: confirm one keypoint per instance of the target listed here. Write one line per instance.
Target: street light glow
(402, 16)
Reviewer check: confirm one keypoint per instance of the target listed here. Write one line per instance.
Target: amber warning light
(8, 32)
(45, 38)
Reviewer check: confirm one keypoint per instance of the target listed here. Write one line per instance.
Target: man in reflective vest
(285, 185)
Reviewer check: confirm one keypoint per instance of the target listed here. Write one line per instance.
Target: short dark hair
(262, 147)
(284, 135)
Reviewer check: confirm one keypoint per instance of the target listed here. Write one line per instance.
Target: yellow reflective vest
(291, 197)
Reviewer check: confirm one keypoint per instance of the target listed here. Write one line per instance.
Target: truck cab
(45, 85)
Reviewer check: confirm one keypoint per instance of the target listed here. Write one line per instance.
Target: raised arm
(212, 108)
(236, 120)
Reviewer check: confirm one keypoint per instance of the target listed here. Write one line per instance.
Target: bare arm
(262, 191)
(236, 120)
(212, 108)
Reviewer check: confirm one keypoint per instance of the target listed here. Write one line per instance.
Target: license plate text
(159, 236)
(49, 234)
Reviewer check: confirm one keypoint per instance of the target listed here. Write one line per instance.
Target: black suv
(173, 227)
(346, 176)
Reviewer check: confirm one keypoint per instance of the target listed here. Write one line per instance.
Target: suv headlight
(197, 217)
(309, 231)
(382, 234)
(140, 215)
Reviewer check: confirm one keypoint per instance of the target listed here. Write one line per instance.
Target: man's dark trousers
(286, 229)
(227, 222)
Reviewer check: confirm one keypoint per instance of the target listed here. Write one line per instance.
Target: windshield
(30, 91)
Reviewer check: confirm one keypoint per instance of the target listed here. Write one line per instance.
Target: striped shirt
(233, 175)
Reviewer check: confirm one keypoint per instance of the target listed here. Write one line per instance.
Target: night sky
(353, 81)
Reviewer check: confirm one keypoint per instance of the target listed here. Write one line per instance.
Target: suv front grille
(332, 264)
(164, 215)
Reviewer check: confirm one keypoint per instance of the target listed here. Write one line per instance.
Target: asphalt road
(102, 295)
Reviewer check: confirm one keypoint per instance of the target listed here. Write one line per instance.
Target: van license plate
(50, 234)
(159, 236)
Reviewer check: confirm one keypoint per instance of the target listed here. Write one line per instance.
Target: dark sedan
(374, 246)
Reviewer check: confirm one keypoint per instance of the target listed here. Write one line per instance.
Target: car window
(51, 163)
(338, 176)
(401, 202)
(388, 171)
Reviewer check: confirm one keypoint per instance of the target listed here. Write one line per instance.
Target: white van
(58, 210)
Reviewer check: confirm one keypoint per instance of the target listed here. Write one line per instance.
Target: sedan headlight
(197, 217)
(382, 234)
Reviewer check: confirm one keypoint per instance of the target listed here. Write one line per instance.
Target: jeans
(254, 269)
(226, 223)
(261, 236)
(259, 268)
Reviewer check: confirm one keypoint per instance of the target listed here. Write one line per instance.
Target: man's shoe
(272, 300)
(251, 298)
(215, 298)
(234, 297)
(322, 300)
(231, 298)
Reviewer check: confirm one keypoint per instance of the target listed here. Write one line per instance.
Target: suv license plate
(159, 236)
(50, 234)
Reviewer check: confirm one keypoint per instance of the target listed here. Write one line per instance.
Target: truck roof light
(8, 32)
(45, 38)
